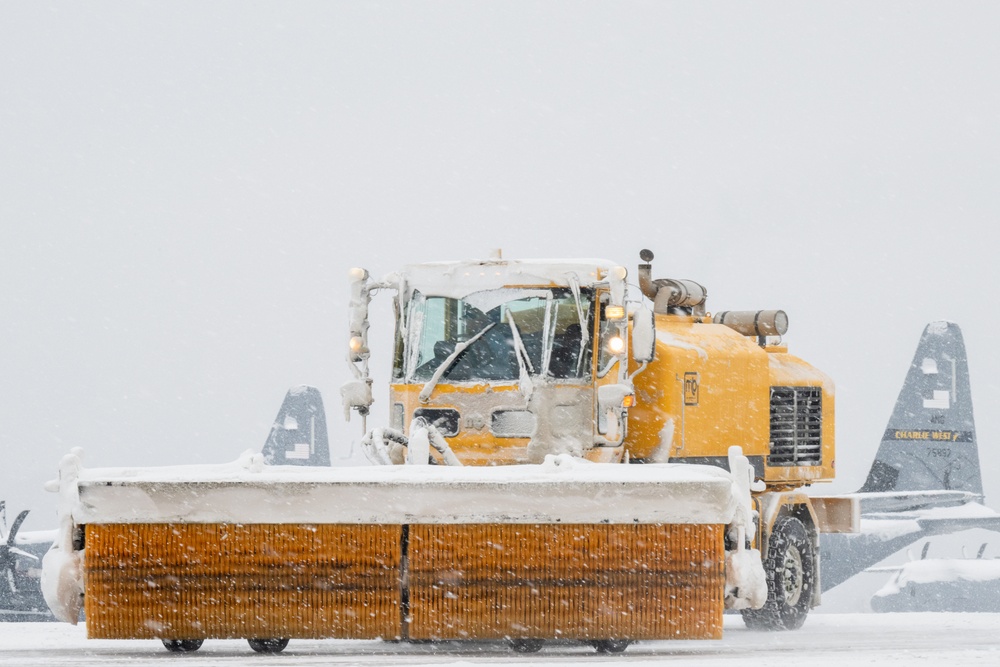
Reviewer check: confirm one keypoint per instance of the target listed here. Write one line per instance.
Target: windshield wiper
(425, 393)
(574, 286)
(548, 335)
(523, 362)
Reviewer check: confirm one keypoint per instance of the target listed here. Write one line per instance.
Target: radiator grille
(796, 426)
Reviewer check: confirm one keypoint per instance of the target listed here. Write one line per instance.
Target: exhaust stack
(671, 296)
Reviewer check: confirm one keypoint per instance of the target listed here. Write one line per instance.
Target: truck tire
(526, 645)
(790, 568)
(610, 645)
(273, 645)
(182, 645)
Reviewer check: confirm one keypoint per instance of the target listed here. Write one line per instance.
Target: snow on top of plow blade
(560, 490)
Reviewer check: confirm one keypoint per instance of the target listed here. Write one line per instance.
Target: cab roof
(457, 279)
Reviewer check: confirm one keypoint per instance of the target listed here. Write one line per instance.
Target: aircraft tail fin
(930, 441)
(298, 436)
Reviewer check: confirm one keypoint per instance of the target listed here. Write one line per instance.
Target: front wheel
(610, 645)
(273, 645)
(526, 645)
(790, 568)
(182, 645)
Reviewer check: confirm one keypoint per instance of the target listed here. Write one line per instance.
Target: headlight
(616, 345)
(614, 312)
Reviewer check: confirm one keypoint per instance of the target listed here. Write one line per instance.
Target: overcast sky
(184, 186)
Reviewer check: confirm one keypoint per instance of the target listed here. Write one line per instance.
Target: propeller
(8, 552)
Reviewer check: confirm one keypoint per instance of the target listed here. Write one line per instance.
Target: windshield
(548, 328)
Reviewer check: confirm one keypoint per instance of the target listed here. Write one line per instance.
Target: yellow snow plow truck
(562, 462)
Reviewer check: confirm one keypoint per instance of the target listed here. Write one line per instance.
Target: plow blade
(485, 582)
(555, 551)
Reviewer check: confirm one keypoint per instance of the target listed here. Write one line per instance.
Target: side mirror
(643, 335)
(360, 297)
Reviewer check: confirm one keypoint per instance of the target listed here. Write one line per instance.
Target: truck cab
(507, 359)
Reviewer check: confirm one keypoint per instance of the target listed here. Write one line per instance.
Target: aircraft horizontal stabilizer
(912, 501)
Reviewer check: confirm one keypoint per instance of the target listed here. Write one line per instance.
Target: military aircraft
(298, 437)
(21, 569)
(926, 477)
(967, 584)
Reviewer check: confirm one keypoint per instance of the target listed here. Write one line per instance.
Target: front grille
(796, 426)
(513, 424)
(443, 419)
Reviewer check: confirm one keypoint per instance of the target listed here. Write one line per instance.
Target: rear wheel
(790, 568)
(272, 645)
(524, 645)
(610, 645)
(182, 645)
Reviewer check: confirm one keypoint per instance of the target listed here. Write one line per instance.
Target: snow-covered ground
(828, 640)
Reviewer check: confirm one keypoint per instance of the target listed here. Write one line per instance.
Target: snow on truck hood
(560, 490)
